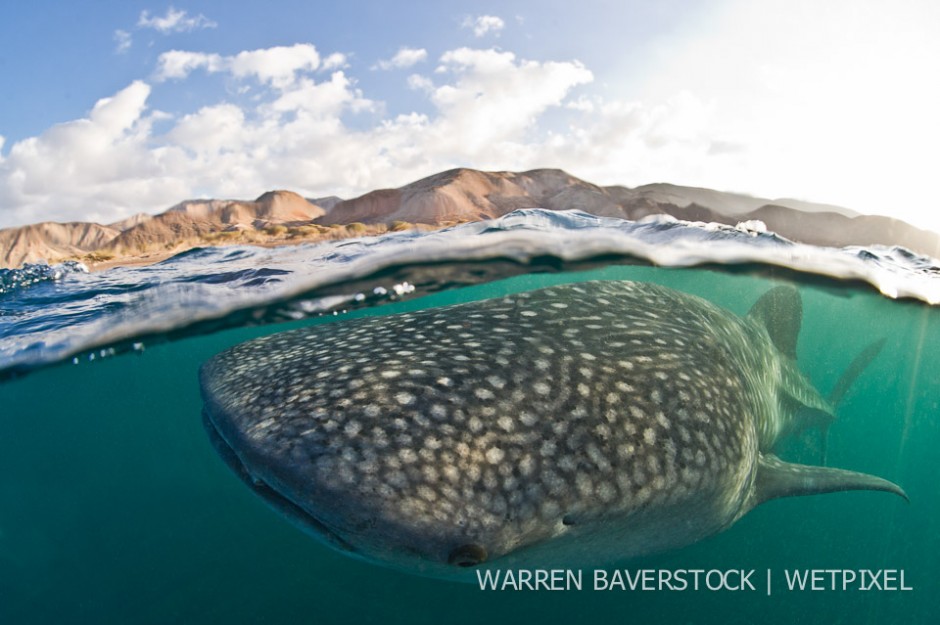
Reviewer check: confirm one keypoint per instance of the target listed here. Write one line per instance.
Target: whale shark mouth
(272, 497)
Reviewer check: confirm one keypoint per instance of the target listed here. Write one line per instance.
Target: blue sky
(113, 108)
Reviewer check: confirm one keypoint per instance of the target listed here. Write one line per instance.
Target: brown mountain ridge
(454, 196)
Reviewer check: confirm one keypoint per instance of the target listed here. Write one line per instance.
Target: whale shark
(578, 424)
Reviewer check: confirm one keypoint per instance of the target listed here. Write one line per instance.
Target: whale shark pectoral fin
(780, 311)
(855, 369)
(776, 478)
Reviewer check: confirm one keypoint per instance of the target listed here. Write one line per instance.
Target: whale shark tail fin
(776, 478)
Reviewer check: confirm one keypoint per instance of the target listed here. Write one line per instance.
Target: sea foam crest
(33, 273)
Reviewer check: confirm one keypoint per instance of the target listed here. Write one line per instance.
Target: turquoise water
(115, 509)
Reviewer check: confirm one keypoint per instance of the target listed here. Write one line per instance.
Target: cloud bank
(847, 117)
(309, 128)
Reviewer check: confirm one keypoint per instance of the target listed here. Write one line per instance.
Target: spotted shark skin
(577, 424)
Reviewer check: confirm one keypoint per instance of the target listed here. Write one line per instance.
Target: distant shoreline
(151, 258)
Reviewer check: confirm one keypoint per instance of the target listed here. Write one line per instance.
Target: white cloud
(179, 64)
(632, 142)
(175, 21)
(122, 41)
(493, 97)
(583, 104)
(405, 57)
(484, 24)
(98, 167)
(420, 83)
(277, 66)
(336, 60)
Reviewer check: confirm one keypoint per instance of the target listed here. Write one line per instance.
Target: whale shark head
(579, 423)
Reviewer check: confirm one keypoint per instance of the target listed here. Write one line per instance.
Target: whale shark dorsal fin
(780, 310)
(776, 478)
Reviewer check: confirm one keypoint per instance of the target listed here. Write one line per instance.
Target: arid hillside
(446, 198)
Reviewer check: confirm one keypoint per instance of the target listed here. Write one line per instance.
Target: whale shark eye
(467, 555)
